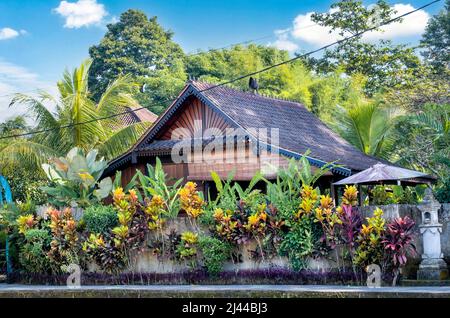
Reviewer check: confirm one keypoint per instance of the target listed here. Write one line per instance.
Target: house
(209, 128)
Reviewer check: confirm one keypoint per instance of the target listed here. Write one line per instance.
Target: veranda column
(433, 266)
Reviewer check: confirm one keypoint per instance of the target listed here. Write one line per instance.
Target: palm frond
(122, 140)
(43, 117)
(26, 153)
(118, 94)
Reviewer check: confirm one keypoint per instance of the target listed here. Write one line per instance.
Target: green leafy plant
(380, 195)
(33, 254)
(284, 192)
(156, 184)
(100, 219)
(187, 248)
(442, 191)
(298, 243)
(215, 252)
(76, 179)
(191, 202)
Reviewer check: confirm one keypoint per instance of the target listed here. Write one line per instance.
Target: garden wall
(147, 262)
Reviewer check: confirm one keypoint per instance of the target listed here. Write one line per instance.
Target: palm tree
(74, 124)
(433, 122)
(367, 126)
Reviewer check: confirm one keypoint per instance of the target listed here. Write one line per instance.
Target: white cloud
(413, 24)
(18, 79)
(283, 42)
(8, 33)
(81, 13)
(303, 28)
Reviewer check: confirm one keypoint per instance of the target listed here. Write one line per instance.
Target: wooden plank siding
(194, 117)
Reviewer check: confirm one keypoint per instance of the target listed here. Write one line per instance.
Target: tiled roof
(133, 116)
(299, 129)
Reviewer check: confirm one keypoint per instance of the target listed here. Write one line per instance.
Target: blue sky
(39, 38)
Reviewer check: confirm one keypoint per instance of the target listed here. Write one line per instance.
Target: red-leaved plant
(398, 240)
(350, 226)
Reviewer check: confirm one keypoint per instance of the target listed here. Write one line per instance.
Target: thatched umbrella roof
(382, 173)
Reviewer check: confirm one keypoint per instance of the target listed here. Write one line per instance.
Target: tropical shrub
(100, 219)
(215, 252)
(257, 227)
(187, 248)
(275, 227)
(283, 194)
(157, 184)
(76, 179)
(380, 196)
(397, 240)
(370, 250)
(228, 226)
(351, 220)
(329, 219)
(25, 223)
(26, 185)
(130, 234)
(298, 243)
(104, 252)
(33, 253)
(191, 202)
(64, 245)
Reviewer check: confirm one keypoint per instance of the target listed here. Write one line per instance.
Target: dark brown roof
(133, 116)
(299, 129)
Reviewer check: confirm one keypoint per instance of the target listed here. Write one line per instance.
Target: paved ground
(211, 291)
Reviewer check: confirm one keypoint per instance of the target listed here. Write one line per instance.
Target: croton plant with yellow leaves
(191, 202)
(370, 250)
(64, 247)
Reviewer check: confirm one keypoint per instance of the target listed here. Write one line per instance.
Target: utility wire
(211, 50)
(232, 80)
(251, 41)
(319, 49)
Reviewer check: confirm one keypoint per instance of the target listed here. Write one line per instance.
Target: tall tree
(74, 123)
(138, 46)
(423, 143)
(436, 41)
(383, 63)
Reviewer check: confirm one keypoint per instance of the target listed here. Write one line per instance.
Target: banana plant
(156, 183)
(76, 179)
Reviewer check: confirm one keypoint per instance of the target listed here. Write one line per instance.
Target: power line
(232, 80)
(209, 50)
(251, 41)
(319, 49)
